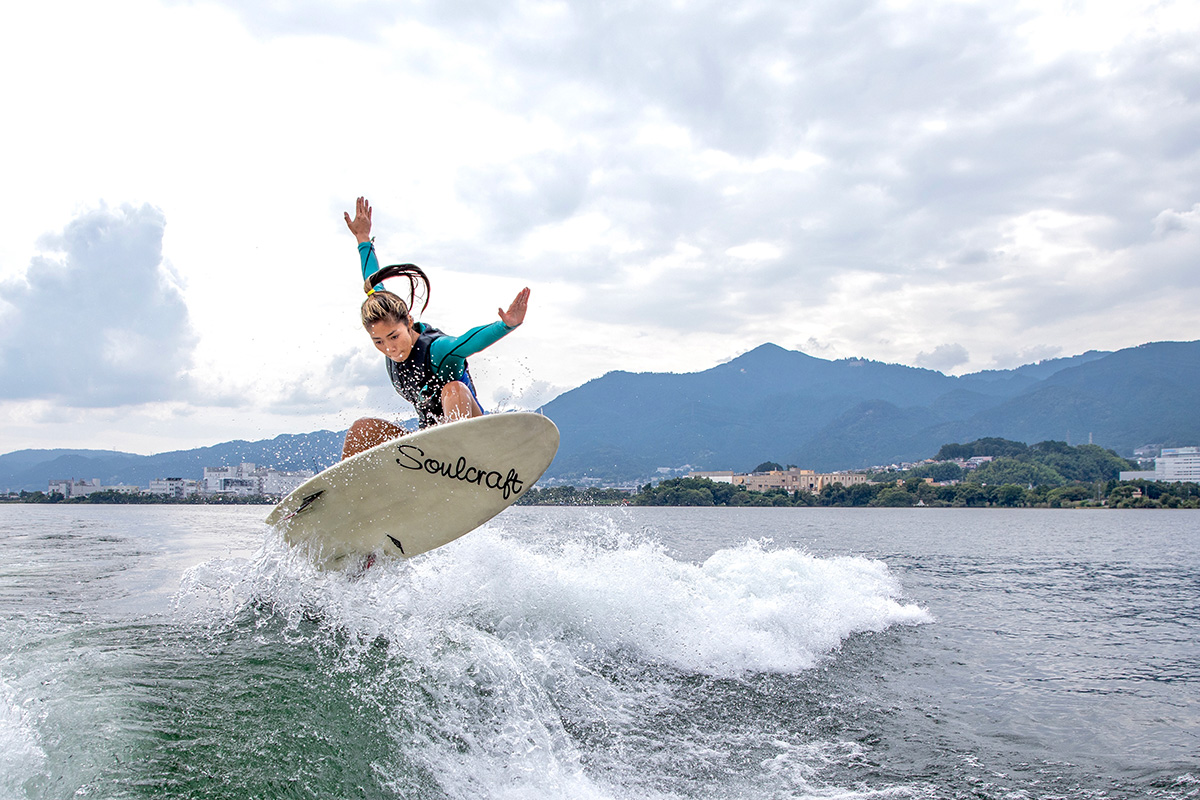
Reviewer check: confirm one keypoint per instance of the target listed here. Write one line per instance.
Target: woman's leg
(368, 432)
(458, 402)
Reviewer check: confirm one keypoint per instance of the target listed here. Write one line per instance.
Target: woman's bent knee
(368, 432)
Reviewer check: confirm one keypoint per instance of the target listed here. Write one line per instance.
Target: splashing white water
(512, 638)
(21, 754)
(745, 609)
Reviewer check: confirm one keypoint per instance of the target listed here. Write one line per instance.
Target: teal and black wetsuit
(436, 359)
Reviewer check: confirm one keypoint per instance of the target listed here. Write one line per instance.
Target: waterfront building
(276, 483)
(1173, 465)
(74, 487)
(248, 479)
(1178, 465)
(122, 488)
(239, 480)
(790, 480)
(793, 480)
(174, 487)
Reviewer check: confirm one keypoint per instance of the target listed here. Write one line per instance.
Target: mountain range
(770, 404)
(32, 470)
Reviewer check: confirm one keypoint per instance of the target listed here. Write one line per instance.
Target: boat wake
(580, 663)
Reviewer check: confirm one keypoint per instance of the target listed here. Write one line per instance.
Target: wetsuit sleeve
(448, 354)
(370, 264)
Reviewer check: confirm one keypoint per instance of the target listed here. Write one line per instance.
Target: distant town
(244, 480)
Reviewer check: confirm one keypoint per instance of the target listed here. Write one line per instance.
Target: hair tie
(371, 292)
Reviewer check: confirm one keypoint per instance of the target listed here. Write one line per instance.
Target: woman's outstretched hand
(516, 312)
(360, 226)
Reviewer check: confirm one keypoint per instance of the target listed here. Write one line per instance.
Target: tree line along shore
(1044, 475)
(903, 493)
(109, 497)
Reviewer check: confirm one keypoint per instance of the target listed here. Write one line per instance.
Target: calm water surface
(172, 651)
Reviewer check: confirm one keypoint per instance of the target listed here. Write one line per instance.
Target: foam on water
(21, 754)
(540, 667)
(745, 609)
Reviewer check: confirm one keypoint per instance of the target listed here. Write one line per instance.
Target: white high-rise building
(247, 479)
(277, 484)
(1178, 465)
(231, 480)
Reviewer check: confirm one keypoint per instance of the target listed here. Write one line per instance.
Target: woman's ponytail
(383, 305)
(415, 275)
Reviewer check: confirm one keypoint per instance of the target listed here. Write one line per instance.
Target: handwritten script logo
(413, 457)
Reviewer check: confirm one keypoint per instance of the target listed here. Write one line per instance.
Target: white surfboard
(407, 496)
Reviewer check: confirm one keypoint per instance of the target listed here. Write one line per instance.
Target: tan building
(791, 480)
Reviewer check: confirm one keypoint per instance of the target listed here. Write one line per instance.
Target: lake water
(184, 652)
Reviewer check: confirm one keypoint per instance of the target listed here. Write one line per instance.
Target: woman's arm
(449, 353)
(370, 264)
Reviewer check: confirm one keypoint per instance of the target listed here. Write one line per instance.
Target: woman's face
(393, 339)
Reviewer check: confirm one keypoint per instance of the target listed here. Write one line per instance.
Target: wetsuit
(436, 359)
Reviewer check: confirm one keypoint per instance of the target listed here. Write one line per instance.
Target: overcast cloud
(100, 322)
(954, 185)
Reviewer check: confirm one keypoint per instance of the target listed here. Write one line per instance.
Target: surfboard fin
(308, 501)
(396, 542)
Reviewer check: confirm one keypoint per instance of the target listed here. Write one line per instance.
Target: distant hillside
(734, 415)
(780, 405)
(31, 470)
(1029, 374)
(770, 404)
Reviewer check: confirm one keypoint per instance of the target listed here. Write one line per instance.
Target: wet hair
(382, 305)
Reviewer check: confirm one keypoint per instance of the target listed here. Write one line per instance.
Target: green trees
(1085, 462)
(894, 497)
(902, 494)
(939, 471)
(989, 446)
(703, 492)
(1010, 495)
(970, 495)
(680, 492)
(1149, 494)
(1068, 495)
(40, 497)
(1048, 474)
(1048, 463)
(1011, 470)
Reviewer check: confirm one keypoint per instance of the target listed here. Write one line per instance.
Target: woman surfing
(427, 367)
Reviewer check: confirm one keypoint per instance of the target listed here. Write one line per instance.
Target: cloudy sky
(954, 185)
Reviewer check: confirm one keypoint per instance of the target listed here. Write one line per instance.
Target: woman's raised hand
(516, 312)
(360, 226)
